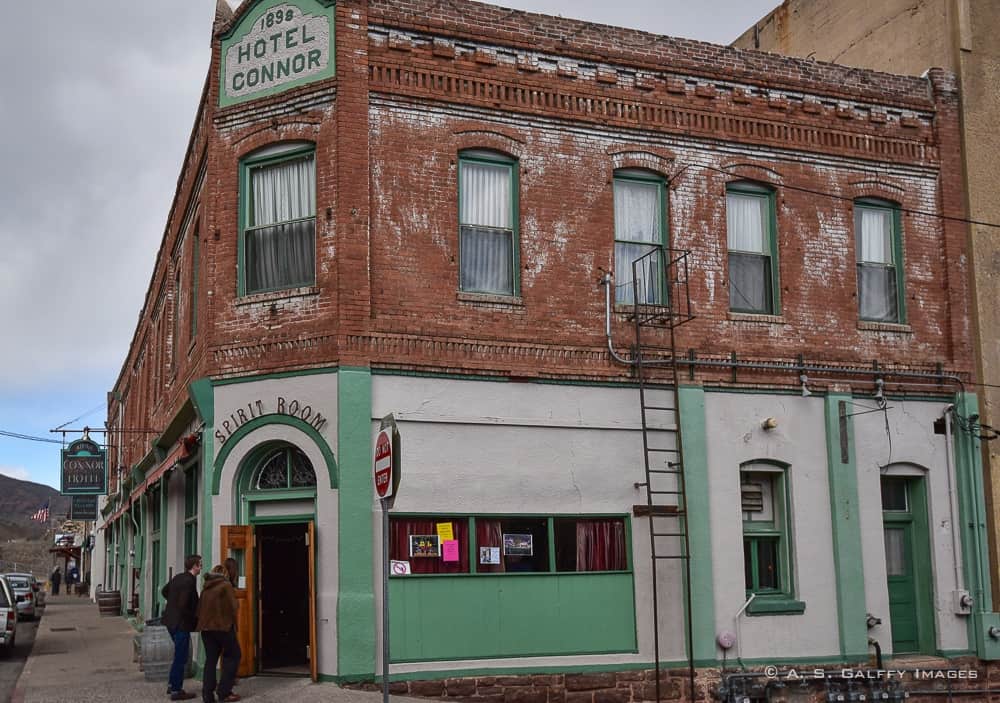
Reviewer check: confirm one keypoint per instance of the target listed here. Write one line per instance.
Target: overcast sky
(97, 104)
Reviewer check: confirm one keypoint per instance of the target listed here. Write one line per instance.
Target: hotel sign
(276, 46)
(84, 469)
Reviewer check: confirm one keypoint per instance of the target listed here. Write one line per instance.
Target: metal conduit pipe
(952, 496)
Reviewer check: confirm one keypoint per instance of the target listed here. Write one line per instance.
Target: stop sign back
(383, 463)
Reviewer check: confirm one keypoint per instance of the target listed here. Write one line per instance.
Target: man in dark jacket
(180, 616)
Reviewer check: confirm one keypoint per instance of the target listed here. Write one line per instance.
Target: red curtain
(489, 533)
(400, 530)
(600, 545)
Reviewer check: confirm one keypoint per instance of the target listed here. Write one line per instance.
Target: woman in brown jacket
(217, 624)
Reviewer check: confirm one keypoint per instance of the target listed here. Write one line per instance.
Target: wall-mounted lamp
(879, 395)
(803, 380)
(769, 423)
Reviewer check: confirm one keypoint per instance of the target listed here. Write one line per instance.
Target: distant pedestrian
(56, 579)
(217, 624)
(180, 616)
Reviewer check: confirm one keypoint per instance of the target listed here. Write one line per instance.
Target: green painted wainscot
(438, 617)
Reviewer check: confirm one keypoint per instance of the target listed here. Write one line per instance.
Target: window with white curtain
(639, 236)
(487, 223)
(879, 283)
(279, 215)
(751, 240)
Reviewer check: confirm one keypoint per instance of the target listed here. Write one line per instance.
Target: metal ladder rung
(657, 407)
(668, 534)
(656, 449)
(665, 471)
(667, 493)
(671, 556)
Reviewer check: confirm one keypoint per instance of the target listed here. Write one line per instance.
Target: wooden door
(237, 541)
(902, 587)
(311, 551)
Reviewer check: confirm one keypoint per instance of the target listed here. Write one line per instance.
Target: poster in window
(444, 531)
(422, 546)
(517, 545)
(449, 549)
(399, 568)
(489, 555)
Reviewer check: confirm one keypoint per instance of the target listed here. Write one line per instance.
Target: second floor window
(639, 226)
(876, 231)
(279, 196)
(488, 223)
(751, 238)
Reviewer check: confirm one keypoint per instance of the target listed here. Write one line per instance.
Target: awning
(180, 452)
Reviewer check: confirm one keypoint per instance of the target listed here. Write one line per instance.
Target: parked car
(24, 594)
(8, 617)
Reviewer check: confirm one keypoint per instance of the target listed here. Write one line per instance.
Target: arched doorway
(274, 548)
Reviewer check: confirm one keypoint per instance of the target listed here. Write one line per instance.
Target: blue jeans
(182, 647)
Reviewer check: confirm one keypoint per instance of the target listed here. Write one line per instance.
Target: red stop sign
(383, 464)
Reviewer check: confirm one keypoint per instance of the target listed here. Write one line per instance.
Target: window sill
(756, 317)
(884, 327)
(511, 301)
(776, 605)
(277, 295)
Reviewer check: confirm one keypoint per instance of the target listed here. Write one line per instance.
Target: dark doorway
(283, 595)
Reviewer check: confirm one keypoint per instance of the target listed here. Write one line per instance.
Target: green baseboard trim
(955, 653)
(776, 606)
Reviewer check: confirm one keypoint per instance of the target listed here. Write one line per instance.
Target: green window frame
(767, 538)
(191, 476)
(881, 290)
(751, 238)
(640, 217)
(488, 223)
(552, 552)
(277, 243)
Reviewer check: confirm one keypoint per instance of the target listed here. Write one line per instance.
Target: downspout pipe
(952, 496)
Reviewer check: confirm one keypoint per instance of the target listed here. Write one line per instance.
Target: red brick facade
(418, 81)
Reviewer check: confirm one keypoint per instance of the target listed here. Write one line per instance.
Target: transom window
(880, 285)
(752, 250)
(487, 204)
(639, 231)
(283, 468)
(278, 246)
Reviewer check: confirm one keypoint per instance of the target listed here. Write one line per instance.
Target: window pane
(746, 222)
(522, 544)
(402, 529)
(650, 270)
(487, 260)
(282, 256)
(637, 212)
(874, 235)
(274, 472)
(283, 192)
(895, 552)
(485, 190)
(749, 282)
(767, 563)
(894, 494)
(590, 545)
(748, 564)
(877, 293)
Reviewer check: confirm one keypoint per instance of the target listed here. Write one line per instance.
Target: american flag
(42, 514)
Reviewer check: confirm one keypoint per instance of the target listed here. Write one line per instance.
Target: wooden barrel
(156, 648)
(109, 603)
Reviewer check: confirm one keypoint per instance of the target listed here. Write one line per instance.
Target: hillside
(23, 540)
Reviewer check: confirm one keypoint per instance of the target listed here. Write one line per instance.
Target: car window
(19, 582)
(4, 602)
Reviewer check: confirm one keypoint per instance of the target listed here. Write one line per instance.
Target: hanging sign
(276, 46)
(83, 508)
(84, 469)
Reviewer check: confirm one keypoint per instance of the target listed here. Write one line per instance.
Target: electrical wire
(96, 407)
(18, 435)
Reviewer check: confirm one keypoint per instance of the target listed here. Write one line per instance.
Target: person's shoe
(181, 696)
(231, 698)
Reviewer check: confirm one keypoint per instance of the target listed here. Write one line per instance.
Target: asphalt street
(11, 664)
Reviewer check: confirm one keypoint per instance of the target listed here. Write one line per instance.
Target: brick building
(415, 208)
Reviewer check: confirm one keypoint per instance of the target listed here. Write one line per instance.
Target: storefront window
(590, 545)
(430, 545)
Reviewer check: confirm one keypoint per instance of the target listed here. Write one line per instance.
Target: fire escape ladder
(661, 302)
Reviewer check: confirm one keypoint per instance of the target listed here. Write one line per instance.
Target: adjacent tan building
(908, 37)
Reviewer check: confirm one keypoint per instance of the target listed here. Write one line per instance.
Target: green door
(157, 578)
(907, 565)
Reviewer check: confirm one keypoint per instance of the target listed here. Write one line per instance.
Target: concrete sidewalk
(80, 657)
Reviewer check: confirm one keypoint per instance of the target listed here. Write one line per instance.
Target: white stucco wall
(473, 447)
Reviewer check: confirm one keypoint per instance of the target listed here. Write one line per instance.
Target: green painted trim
(972, 513)
(203, 398)
(356, 598)
(764, 605)
(845, 522)
(897, 252)
(325, 8)
(694, 450)
(955, 653)
(768, 194)
(513, 166)
(273, 419)
(282, 519)
(273, 376)
(280, 495)
(181, 420)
